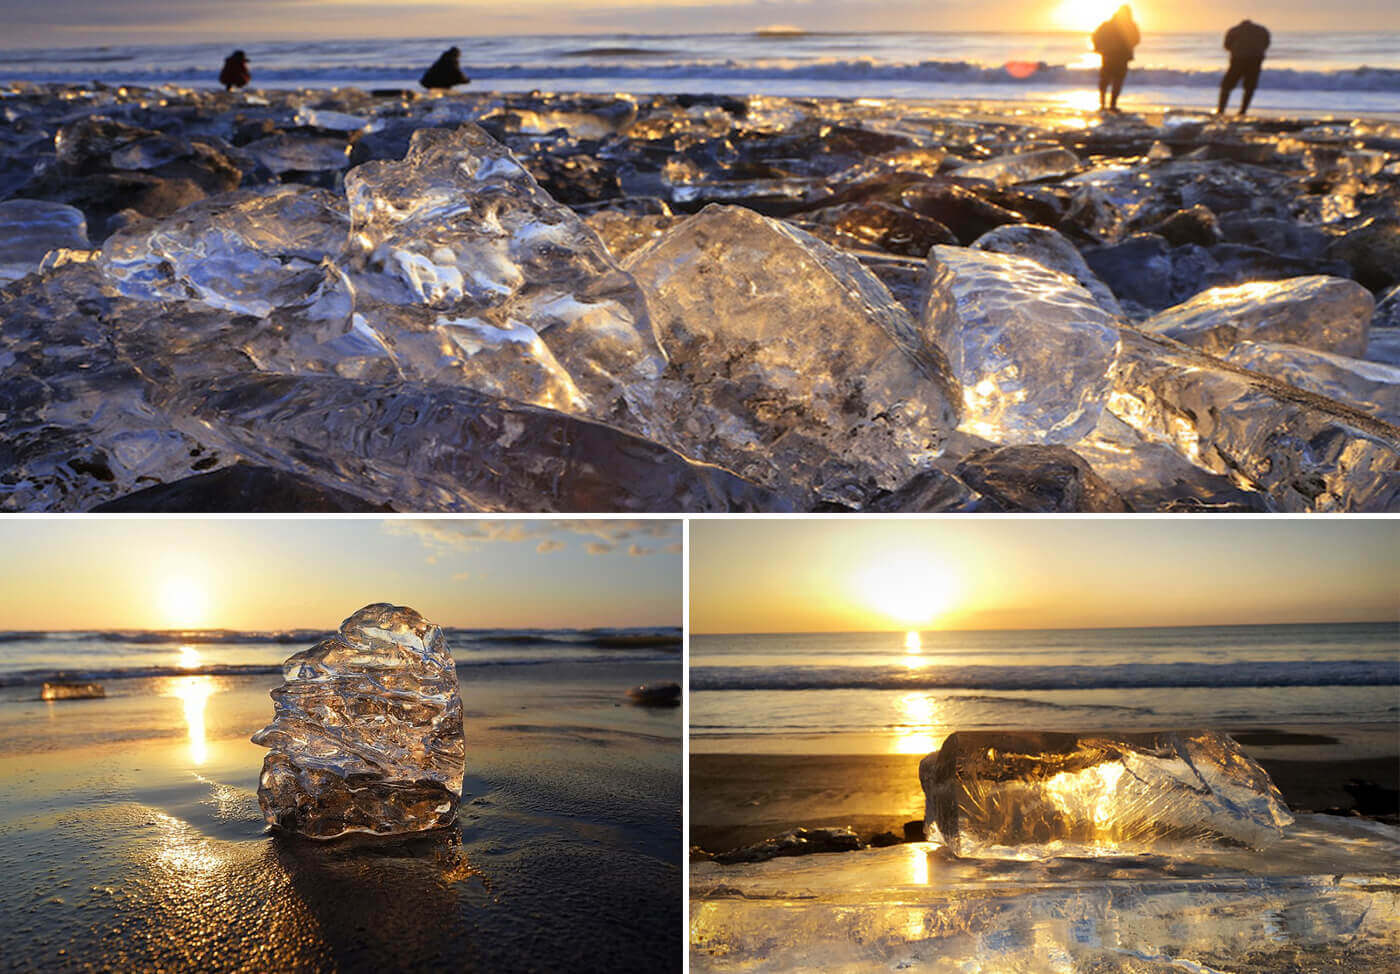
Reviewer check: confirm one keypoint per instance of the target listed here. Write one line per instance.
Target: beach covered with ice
(346, 300)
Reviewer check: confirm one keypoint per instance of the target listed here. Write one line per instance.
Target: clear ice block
(1010, 795)
(1372, 387)
(790, 363)
(1327, 314)
(1034, 352)
(1049, 248)
(367, 735)
(29, 229)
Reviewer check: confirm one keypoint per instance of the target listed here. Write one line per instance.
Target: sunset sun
(908, 590)
(183, 602)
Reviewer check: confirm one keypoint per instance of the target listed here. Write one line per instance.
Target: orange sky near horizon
(839, 574)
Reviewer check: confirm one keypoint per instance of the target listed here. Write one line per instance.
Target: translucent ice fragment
(71, 691)
(1372, 387)
(247, 252)
(1034, 352)
(790, 362)
(1022, 167)
(367, 733)
(287, 152)
(1026, 795)
(1048, 248)
(1303, 451)
(1328, 314)
(460, 228)
(29, 229)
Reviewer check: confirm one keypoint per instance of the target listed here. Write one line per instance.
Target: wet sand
(739, 799)
(133, 839)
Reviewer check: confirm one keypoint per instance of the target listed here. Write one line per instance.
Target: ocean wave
(862, 70)
(1281, 673)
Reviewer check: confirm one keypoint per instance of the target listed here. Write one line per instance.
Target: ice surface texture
(790, 363)
(367, 735)
(1034, 351)
(1006, 795)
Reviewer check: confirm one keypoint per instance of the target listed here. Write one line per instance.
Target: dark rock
(1373, 799)
(1373, 251)
(893, 229)
(1196, 225)
(963, 212)
(931, 491)
(1042, 479)
(884, 840)
(914, 831)
(575, 179)
(798, 842)
(1145, 272)
(656, 695)
(1278, 236)
(239, 489)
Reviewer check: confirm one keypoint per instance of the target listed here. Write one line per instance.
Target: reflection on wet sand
(194, 692)
(916, 729)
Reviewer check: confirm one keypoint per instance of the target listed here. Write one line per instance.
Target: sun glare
(183, 602)
(194, 693)
(919, 718)
(1084, 15)
(909, 591)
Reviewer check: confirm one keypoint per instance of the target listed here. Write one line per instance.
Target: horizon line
(1201, 625)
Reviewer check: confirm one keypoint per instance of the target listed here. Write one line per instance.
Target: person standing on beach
(1115, 39)
(235, 73)
(1246, 42)
(445, 72)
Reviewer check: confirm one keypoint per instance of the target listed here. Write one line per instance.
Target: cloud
(461, 576)
(637, 551)
(443, 536)
(548, 545)
(674, 548)
(598, 547)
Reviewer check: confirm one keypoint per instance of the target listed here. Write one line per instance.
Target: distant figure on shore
(445, 72)
(1115, 39)
(1246, 42)
(235, 73)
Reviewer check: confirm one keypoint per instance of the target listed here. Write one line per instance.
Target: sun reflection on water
(194, 692)
(918, 713)
(189, 658)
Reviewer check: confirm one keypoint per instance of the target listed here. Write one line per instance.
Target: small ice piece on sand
(367, 735)
(29, 229)
(1026, 795)
(1034, 352)
(656, 695)
(59, 690)
(1022, 167)
(1326, 314)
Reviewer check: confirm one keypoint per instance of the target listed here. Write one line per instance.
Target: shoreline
(738, 799)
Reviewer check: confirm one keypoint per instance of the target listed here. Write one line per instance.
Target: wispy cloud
(636, 537)
(598, 547)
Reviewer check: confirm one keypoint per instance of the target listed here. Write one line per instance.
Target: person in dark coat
(235, 73)
(1115, 39)
(1246, 42)
(445, 72)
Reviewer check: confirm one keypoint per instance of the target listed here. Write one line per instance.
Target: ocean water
(1313, 71)
(905, 692)
(27, 659)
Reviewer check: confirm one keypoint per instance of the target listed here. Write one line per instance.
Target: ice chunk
(1328, 314)
(59, 690)
(1033, 350)
(1305, 452)
(1022, 167)
(247, 251)
(29, 229)
(367, 733)
(1372, 387)
(286, 152)
(1027, 795)
(1048, 248)
(790, 362)
(460, 229)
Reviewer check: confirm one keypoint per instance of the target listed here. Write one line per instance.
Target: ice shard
(1327, 314)
(790, 363)
(459, 238)
(1049, 248)
(1372, 387)
(1022, 167)
(1034, 352)
(1028, 795)
(367, 733)
(29, 229)
(1301, 450)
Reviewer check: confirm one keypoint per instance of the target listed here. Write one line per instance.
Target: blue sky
(81, 573)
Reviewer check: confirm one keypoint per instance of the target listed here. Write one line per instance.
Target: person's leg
(1227, 85)
(1251, 81)
(1119, 76)
(1104, 75)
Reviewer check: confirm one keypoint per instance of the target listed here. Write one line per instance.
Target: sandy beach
(133, 839)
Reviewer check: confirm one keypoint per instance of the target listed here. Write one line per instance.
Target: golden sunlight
(189, 658)
(909, 590)
(183, 602)
(1083, 15)
(916, 735)
(194, 692)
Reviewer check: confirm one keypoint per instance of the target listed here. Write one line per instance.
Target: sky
(840, 574)
(124, 573)
(60, 23)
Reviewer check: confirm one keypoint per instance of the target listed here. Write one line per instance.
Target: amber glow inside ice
(367, 735)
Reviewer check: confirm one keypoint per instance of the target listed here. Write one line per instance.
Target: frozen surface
(29, 229)
(1034, 352)
(1372, 387)
(1322, 899)
(1302, 451)
(459, 242)
(367, 735)
(1023, 167)
(1007, 795)
(790, 363)
(1049, 248)
(1327, 314)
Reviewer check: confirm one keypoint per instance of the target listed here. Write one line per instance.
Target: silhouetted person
(235, 73)
(1246, 42)
(1115, 39)
(445, 72)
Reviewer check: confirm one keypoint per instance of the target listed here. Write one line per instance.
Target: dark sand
(135, 852)
(739, 799)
